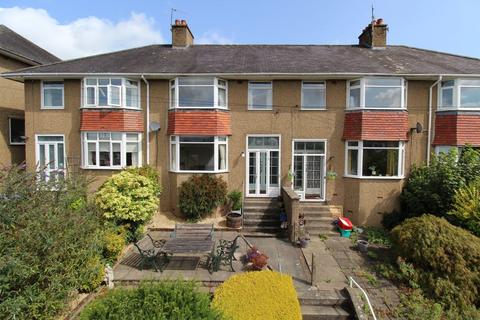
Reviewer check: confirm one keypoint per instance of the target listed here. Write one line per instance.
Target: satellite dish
(154, 126)
(418, 127)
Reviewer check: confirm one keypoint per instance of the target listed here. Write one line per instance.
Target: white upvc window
(198, 93)
(16, 131)
(111, 93)
(445, 149)
(459, 94)
(111, 150)
(259, 95)
(50, 156)
(374, 159)
(199, 154)
(376, 93)
(313, 95)
(52, 95)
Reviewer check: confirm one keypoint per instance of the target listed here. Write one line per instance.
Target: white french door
(309, 169)
(263, 166)
(50, 155)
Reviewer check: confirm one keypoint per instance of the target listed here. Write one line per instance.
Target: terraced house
(340, 125)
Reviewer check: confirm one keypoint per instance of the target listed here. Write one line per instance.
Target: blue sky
(77, 28)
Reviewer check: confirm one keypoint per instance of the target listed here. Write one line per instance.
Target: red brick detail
(111, 120)
(376, 125)
(204, 123)
(456, 129)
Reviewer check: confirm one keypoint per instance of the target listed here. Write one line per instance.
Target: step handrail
(352, 282)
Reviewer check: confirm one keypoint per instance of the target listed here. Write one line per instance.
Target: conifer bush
(265, 295)
(466, 207)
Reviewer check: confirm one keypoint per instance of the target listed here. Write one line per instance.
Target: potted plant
(373, 169)
(234, 204)
(255, 259)
(331, 175)
(303, 236)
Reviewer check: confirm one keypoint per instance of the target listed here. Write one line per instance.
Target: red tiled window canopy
(376, 125)
(111, 120)
(457, 129)
(204, 123)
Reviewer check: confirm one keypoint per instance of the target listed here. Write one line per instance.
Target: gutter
(430, 116)
(148, 118)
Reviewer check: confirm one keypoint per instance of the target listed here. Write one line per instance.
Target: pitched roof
(263, 59)
(23, 49)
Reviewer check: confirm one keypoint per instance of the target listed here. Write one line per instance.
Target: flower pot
(234, 219)
(362, 246)
(304, 243)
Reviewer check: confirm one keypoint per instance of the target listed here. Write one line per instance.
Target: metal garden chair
(223, 254)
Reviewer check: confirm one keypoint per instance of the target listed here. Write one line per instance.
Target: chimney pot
(184, 23)
(181, 34)
(177, 22)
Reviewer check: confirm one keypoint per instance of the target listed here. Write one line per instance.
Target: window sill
(52, 108)
(197, 171)
(198, 108)
(17, 143)
(376, 108)
(101, 168)
(459, 109)
(265, 109)
(374, 177)
(313, 109)
(110, 108)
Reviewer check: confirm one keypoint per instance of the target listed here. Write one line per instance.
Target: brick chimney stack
(374, 35)
(181, 34)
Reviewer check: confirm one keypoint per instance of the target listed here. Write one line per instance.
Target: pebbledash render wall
(11, 106)
(363, 200)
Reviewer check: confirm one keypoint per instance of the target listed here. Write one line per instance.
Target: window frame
(173, 102)
(122, 92)
(10, 142)
(174, 142)
(360, 148)
(324, 106)
(37, 149)
(42, 95)
(270, 98)
(363, 86)
(456, 94)
(123, 150)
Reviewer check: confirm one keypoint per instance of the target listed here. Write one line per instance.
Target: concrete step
(260, 215)
(324, 297)
(268, 201)
(312, 312)
(317, 214)
(250, 208)
(326, 233)
(322, 219)
(315, 209)
(260, 229)
(261, 222)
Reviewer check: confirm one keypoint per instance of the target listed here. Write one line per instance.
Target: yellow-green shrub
(265, 295)
(128, 197)
(114, 241)
(93, 279)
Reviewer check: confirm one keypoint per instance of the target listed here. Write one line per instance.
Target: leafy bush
(447, 259)
(50, 244)
(235, 199)
(164, 300)
(377, 235)
(148, 172)
(200, 195)
(414, 306)
(114, 242)
(126, 196)
(258, 295)
(466, 207)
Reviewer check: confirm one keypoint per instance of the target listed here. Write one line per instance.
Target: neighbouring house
(16, 52)
(341, 125)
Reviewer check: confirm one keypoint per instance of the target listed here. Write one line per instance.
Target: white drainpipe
(430, 116)
(148, 118)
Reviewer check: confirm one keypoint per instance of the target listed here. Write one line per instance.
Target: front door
(263, 166)
(309, 169)
(51, 156)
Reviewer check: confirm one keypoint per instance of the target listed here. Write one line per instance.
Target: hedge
(265, 295)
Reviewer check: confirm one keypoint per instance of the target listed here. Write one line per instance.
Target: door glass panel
(314, 177)
(274, 168)
(51, 156)
(42, 156)
(61, 156)
(263, 173)
(298, 173)
(252, 172)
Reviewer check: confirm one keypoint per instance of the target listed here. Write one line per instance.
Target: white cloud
(213, 37)
(82, 37)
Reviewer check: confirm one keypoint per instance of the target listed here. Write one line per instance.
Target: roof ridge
(31, 43)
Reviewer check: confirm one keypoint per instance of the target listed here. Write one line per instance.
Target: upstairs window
(52, 95)
(111, 92)
(376, 93)
(459, 94)
(198, 93)
(16, 130)
(259, 95)
(313, 95)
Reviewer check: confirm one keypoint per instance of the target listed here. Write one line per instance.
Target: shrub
(466, 207)
(114, 241)
(50, 244)
(235, 199)
(414, 306)
(258, 295)
(377, 235)
(200, 195)
(148, 172)
(128, 197)
(446, 258)
(164, 300)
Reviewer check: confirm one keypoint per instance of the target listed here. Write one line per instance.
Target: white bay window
(374, 159)
(198, 154)
(111, 92)
(198, 93)
(111, 150)
(459, 94)
(376, 93)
